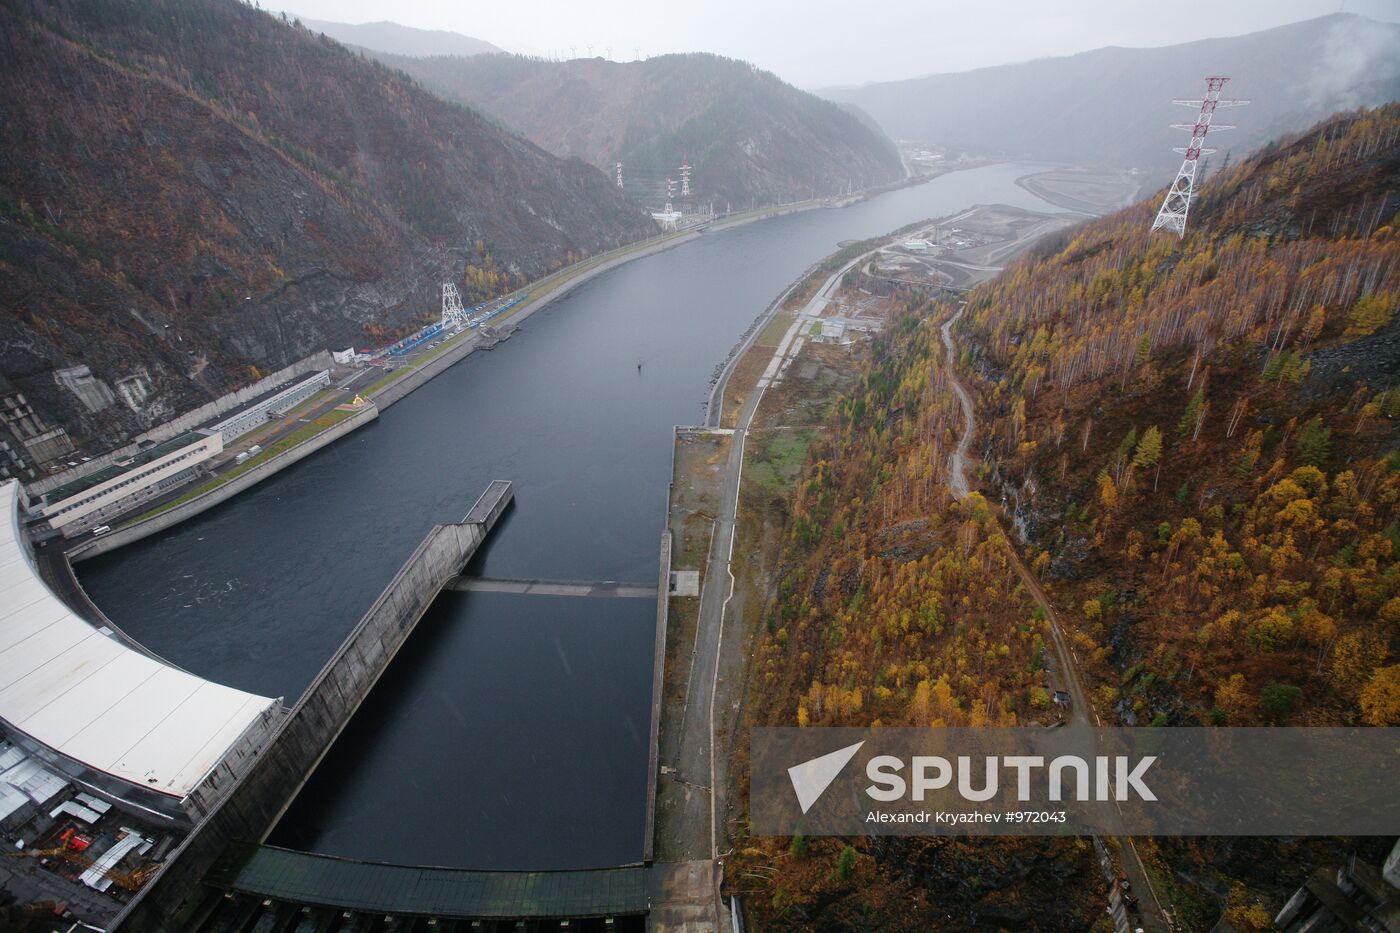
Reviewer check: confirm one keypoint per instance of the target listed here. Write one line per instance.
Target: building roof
(114, 470)
(95, 700)
(262, 399)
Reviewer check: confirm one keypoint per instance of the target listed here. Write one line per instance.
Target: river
(511, 732)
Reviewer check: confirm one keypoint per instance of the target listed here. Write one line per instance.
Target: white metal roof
(32, 779)
(10, 800)
(94, 699)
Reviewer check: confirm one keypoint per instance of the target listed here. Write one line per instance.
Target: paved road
(1153, 917)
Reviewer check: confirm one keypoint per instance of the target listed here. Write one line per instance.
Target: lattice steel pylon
(452, 310)
(1177, 203)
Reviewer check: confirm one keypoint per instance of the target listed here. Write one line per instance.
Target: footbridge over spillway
(247, 813)
(603, 589)
(268, 886)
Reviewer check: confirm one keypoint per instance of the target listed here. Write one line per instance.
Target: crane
(127, 880)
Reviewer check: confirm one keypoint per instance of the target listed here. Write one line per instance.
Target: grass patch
(772, 334)
(777, 457)
(384, 380)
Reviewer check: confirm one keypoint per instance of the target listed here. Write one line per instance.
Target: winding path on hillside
(1153, 916)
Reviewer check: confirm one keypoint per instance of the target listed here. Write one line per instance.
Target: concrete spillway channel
(173, 898)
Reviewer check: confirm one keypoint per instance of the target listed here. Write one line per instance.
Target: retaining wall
(658, 673)
(253, 807)
(422, 375)
(187, 510)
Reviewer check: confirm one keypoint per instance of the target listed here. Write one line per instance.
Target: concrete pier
(250, 810)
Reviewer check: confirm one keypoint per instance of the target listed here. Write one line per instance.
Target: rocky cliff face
(751, 138)
(194, 191)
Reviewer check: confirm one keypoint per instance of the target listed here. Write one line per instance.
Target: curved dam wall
(251, 809)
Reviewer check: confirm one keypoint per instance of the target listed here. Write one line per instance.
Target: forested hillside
(1199, 437)
(751, 138)
(192, 189)
(1197, 445)
(899, 606)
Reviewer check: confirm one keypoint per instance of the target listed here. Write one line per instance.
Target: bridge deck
(303, 878)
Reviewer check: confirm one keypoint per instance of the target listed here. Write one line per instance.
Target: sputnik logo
(811, 778)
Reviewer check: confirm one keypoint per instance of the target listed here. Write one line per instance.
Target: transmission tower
(1172, 215)
(619, 174)
(685, 179)
(452, 310)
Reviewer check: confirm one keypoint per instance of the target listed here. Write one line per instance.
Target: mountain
(394, 39)
(1197, 444)
(193, 189)
(1111, 107)
(750, 137)
(1202, 436)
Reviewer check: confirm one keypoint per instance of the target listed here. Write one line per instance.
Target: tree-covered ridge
(1200, 437)
(1195, 442)
(898, 605)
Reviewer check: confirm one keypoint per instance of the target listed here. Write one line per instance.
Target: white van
(101, 530)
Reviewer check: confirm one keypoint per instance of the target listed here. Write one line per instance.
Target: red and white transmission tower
(1172, 215)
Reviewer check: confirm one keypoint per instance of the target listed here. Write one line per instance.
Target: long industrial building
(111, 718)
(77, 506)
(256, 413)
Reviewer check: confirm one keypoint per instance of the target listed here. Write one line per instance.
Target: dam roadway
(511, 732)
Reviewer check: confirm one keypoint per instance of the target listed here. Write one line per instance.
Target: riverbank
(1084, 191)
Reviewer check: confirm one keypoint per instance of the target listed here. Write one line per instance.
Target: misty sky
(814, 43)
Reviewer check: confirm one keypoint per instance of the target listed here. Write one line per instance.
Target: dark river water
(511, 731)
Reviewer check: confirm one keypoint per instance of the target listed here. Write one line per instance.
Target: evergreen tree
(1314, 442)
(1188, 418)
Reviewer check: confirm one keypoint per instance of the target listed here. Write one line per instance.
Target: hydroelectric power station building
(113, 720)
(77, 506)
(92, 500)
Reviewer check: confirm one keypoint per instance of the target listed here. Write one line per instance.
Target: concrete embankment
(221, 493)
(658, 670)
(250, 810)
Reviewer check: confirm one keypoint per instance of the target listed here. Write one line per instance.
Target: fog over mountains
(1111, 106)
(401, 40)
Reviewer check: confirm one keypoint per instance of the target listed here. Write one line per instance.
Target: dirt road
(1154, 917)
